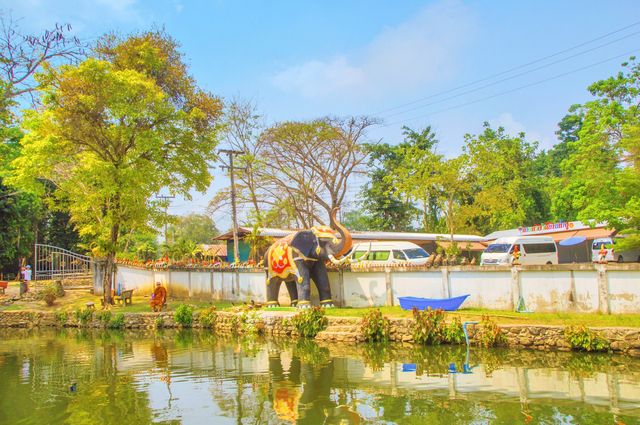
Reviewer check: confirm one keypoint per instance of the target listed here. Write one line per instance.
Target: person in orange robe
(158, 298)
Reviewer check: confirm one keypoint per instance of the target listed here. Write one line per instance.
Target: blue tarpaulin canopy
(574, 240)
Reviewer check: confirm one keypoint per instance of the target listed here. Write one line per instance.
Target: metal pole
(234, 218)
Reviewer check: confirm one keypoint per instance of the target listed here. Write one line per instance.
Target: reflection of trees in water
(39, 371)
(311, 380)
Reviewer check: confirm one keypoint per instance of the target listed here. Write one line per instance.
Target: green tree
(388, 207)
(198, 228)
(549, 164)
(507, 192)
(425, 175)
(115, 130)
(603, 169)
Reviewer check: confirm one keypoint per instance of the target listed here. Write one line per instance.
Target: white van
(533, 250)
(386, 253)
(613, 254)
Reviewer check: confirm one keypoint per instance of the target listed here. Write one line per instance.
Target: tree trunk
(110, 266)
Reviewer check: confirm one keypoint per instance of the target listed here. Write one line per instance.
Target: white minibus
(533, 250)
(385, 253)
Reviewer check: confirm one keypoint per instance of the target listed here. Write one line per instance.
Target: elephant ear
(305, 242)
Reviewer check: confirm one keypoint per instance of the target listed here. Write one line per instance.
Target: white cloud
(421, 50)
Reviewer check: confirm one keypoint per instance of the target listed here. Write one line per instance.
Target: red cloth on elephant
(280, 259)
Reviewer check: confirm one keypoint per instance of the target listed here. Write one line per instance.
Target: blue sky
(301, 60)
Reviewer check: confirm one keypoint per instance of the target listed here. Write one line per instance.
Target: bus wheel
(620, 259)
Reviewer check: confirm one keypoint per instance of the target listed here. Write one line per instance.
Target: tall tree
(387, 207)
(311, 164)
(604, 165)
(197, 228)
(507, 191)
(22, 55)
(115, 129)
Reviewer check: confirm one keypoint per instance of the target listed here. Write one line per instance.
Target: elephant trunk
(345, 243)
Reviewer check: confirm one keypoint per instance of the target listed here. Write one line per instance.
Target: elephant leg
(304, 290)
(273, 289)
(292, 287)
(321, 278)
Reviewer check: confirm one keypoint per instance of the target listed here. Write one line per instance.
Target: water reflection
(90, 377)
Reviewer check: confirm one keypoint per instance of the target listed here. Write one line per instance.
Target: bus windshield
(498, 248)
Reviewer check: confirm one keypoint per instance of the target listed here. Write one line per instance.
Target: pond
(84, 377)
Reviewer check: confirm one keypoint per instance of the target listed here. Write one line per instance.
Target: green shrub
(49, 293)
(488, 333)
(251, 323)
(103, 317)
(310, 321)
(184, 315)
(428, 326)
(61, 317)
(208, 317)
(374, 327)
(83, 316)
(452, 333)
(159, 322)
(582, 338)
(116, 322)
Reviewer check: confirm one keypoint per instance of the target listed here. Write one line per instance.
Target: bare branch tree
(312, 162)
(21, 55)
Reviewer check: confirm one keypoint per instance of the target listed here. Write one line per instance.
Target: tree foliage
(602, 171)
(115, 129)
(506, 190)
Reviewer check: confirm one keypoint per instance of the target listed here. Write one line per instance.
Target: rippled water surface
(87, 377)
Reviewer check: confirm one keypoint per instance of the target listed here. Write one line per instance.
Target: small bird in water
(73, 387)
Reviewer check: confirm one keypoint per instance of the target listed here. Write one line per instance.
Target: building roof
(219, 250)
(361, 236)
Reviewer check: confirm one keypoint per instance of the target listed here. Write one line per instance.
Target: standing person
(27, 277)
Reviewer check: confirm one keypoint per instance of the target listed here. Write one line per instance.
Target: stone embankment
(339, 329)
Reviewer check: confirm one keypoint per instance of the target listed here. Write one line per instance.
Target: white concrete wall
(624, 291)
(544, 289)
(488, 289)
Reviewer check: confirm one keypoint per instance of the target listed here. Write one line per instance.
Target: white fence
(613, 288)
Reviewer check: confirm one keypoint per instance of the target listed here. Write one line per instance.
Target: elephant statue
(300, 257)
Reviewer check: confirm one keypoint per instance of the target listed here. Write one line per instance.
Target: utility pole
(234, 218)
(166, 215)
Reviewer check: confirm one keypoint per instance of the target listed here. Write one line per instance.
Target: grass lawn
(511, 317)
(74, 300)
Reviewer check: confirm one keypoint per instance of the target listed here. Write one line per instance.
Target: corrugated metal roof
(381, 236)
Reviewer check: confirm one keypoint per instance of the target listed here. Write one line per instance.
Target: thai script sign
(560, 226)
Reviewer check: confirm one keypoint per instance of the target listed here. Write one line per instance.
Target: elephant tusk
(338, 262)
(363, 256)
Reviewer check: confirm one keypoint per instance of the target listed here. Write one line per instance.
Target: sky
(451, 64)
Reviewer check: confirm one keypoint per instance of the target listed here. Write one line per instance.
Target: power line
(511, 77)
(535, 83)
(508, 70)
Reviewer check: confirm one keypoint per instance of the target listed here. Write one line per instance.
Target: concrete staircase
(340, 330)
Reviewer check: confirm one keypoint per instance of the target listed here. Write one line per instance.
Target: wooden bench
(3, 285)
(125, 297)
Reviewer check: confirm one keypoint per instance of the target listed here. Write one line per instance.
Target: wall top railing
(399, 268)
